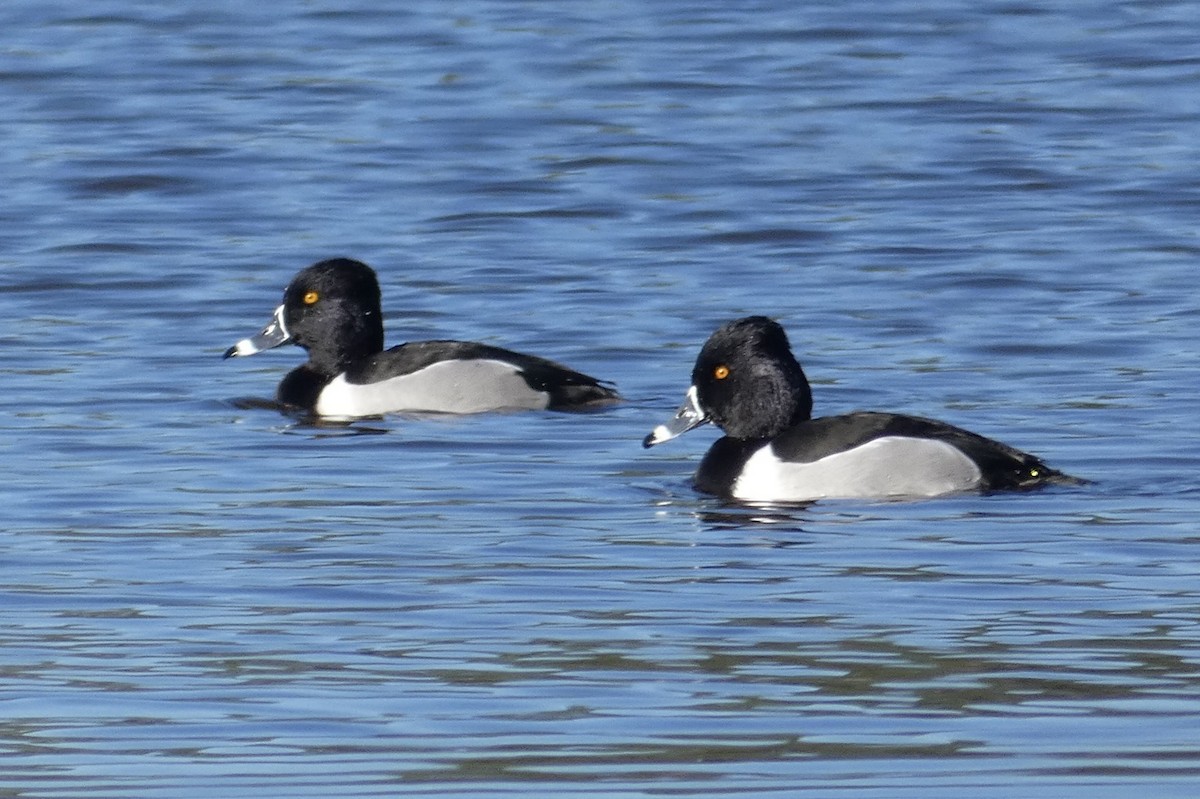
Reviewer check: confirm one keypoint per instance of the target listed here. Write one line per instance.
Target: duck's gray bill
(688, 416)
(272, 335)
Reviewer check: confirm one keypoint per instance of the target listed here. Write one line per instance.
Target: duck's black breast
(301, 387)
(722, 465)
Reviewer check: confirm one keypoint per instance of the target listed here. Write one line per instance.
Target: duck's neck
(791, 401)
(780, 399)
(355, 337)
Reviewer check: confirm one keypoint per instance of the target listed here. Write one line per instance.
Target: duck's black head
(748, 382)
(332, 309)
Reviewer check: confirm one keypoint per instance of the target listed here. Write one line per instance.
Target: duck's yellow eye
(311, 297)
(721, 372)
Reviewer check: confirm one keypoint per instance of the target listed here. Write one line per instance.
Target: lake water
(981, 212)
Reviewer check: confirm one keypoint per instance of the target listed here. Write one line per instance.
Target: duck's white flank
(892, 466)
(455, 386)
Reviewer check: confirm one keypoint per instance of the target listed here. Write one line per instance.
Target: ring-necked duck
(332, 310)
(748, 383)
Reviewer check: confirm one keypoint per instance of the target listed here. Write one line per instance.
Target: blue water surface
(985, 213)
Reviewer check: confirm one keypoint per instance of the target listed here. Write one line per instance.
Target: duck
(332, 309)
(747, 382)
